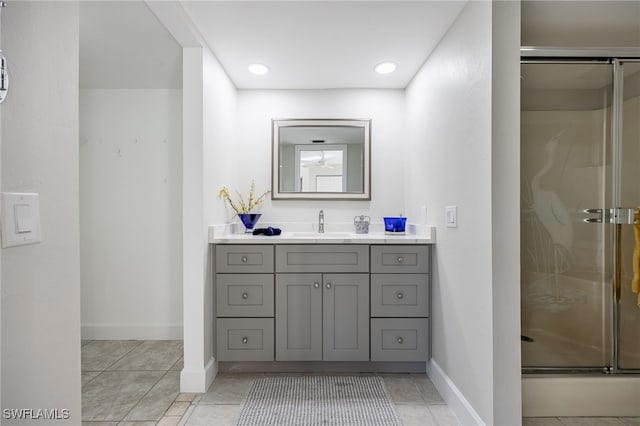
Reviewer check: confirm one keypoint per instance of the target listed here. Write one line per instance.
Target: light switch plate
(451, 216)
(20, 219)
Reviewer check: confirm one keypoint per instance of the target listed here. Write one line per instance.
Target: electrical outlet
(451, 216)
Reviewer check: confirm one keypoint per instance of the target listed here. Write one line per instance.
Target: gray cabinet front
(407, 259)
(244, 295)
(298, 317)
(399, 339)
(345, 320)
(244, 339)
(322, 258)
(244, 259)
(322, 317)
(322, 302)
(399, 295)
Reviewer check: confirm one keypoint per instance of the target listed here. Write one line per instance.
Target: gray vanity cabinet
(399, 303)
(322, 302)
(322, 317)
(244, 303)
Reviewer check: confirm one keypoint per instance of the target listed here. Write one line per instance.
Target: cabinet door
(298, 317)
(345, 317)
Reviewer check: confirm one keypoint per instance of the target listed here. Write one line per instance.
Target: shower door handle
(618, 216)
(598, 219)
(622, 216)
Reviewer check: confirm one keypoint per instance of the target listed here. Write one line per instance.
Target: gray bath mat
(318, 400)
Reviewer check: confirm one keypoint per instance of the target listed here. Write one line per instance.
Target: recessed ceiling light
(385, 68)
(258, 69)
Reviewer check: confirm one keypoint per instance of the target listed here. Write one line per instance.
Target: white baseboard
(198, 381)
(158, 331)
(456, 401)
(570, 396)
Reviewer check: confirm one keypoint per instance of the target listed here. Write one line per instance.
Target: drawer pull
(400, 295)
(245, 259)
(400, 340)
(245, 296)
(245, 340)
(316, 285)
(329, 286)
(400, 259)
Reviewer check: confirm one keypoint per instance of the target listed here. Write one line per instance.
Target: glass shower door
(629, 197)
(566, 159)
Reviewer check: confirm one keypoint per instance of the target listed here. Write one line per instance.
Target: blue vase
(249, 220)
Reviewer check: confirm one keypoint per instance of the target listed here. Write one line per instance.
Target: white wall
(219, 152)
(41, 283)
(449, 134)
(0, 256)
(505, 202)
(252, 158)
(131, 222)
(209, 102)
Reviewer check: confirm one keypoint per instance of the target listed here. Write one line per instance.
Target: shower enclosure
(580, 195)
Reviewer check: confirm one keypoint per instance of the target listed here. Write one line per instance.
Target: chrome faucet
(321, 222)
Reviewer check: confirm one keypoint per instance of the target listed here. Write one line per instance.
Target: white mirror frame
(276, 194)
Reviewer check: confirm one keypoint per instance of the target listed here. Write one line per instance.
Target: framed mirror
(321, 159)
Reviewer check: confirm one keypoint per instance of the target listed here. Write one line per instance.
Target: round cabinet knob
(400, 295)
(400, 340)
(328, 285)
(244, 259)
(245, 340)
(400, 259)
(316, 285)
(245, 296)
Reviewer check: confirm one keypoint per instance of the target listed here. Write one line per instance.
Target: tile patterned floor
(132, 383)
(415, 399)
(136, 383)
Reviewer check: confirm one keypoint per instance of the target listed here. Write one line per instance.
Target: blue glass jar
(395, 225)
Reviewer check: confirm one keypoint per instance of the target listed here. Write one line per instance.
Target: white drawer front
(399, 295)
(244, 295)
(399, 339)
(245, 339)
(410, 259)
(244, 259)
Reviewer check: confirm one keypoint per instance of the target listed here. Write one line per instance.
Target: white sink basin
(321, 235)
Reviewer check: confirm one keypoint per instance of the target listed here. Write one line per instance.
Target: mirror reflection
(321, 159)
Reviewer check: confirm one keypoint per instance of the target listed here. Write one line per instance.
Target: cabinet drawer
(244, 295)
(322, 258)
(399, 295)
(411, 259)
(244, 259)
(399, 339)
(244, 339)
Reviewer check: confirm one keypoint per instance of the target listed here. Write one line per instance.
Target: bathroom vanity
(299, 297)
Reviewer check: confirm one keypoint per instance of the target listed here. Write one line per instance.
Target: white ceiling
(322, 44)
(316, 44)
(306, 44)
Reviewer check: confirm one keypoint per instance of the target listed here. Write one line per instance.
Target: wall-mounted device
(4, 77)
(20, 219)
(4, 73)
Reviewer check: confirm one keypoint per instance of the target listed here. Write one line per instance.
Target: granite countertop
(301, 233)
